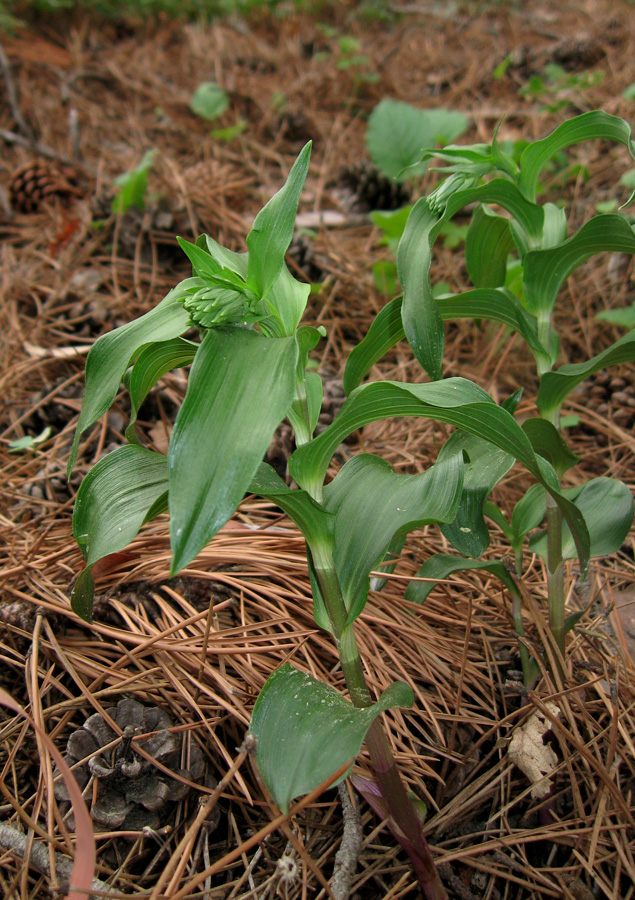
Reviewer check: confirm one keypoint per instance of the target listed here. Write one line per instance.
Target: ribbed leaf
(386, 330)
(152, 363)
(556, 386)
(485, 467)
(122, 491)
(372, 504)
(545, 270)
(441, 565)
(487, 246)
(452, 400)
(240, 388)
(112, 353)
(594, 125)
(272, 231)
(607, 507)
(306, 731)
(549, 443)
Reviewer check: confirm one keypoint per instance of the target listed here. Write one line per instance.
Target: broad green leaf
(372, 505)
(488, 244)
(287, 301)
(386, 329)
(529, 511)
(272, 231)
(545, 270)
(112, 353)
(607, 507)
(240, 388)
(306, 731)
(152, 363)
(484, 468)
(209, 101)
(388, 562)
(125, 489)
(441, 565)
(556, 386)
(623, 318)
(549, 443)
(133, 186)
(453, 400)
(420, 314)
(594, 125)
(398, 133)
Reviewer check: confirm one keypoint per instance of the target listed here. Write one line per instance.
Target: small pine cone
(132, 793)
(308, 264)
(37, 181)
(372, 190)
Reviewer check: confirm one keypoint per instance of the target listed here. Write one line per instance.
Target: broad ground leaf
(372, 505)
(545, 270)
(398, 133)
(152, 363)
(595, 125)
(112, 353)
(607, 507)
(272, 231)
(122, 491)
(209, 101)
(306, 731)
(556, 386)
(240, 388)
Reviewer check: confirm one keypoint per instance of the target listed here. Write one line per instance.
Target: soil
(91, 97)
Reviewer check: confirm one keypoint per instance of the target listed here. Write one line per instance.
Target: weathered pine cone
(132, 793)
(37, 181)
(371, 189)
(612, 396)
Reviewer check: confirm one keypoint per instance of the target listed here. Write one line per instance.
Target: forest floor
(91, 98)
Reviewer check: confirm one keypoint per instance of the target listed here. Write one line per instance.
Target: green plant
(556, 88)
(133, 186)
(531, 241)
(209, 101)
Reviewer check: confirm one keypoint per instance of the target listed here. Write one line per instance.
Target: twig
(347, 856)
(40, 149)
(16, 841)
(12, 97)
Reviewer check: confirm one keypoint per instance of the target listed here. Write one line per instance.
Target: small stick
(347, 856)
(16, 841)
(12, 97)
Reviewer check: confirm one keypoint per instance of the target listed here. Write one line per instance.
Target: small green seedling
(28, 443)
(517, 263)
(133, 186)
(209, 101)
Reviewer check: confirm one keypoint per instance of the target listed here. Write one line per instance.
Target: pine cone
(612, 396)
(132, 794)
(37, 181)
(371, 189)
(308, 264)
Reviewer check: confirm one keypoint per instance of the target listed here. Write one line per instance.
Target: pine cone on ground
(612, 396)
(371, 189)
(37, 181)
(309, 265)
(132, 793)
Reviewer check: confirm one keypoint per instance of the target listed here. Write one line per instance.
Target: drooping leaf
(152, 363)
(272, 231)
(556, 386)
(549, 443)
(372, 505)
(240, 388)
(529, 511)
(623, 318)
(545, 270)
(398, 133)
(488, 244)
(385, 332)
(209, 101)
(112, 353)
(441, 565)
(125, 489)
(485, 467)
(595, 125)
(452, 400)
(607, 507)
(306, 731)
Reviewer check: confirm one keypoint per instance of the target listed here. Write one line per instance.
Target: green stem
(555, 573)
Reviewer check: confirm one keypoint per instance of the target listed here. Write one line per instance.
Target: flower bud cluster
(215, 305)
